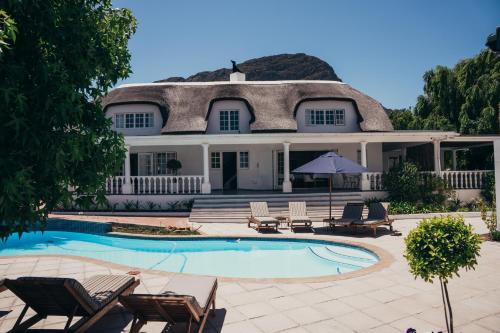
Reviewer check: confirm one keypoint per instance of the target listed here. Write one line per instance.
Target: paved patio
(386, 301)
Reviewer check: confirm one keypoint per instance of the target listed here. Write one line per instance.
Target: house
(239, 136)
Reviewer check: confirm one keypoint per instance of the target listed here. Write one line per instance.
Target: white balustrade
(465, 179)
(457, 180)
(157, 184)
(114, 185)
(372, 181)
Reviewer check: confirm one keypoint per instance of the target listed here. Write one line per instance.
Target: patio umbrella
(328, 164)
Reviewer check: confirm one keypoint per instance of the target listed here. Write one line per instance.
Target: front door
(229, 171)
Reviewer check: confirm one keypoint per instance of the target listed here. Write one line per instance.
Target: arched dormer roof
(272, 103)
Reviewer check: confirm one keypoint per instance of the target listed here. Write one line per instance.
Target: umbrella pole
(330, 190)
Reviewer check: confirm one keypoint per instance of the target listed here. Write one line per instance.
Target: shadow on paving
(345, 231)
(117, 320)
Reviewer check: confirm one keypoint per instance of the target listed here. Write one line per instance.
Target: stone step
(236, 208)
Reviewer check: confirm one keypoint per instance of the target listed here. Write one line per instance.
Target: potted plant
(174, 165)
(437, 248)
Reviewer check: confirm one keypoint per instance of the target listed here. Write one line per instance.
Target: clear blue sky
(379, 47)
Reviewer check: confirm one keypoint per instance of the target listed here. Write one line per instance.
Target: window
(119, 121)
(319, 117)
(325, 117)
(134, 120)
(215, 160)
(315, 117)
(149, 120)
(329, 117)
(309, 117)
(244, 163)
(161, 160)
(339, 117)
(129, 120)
(139, 120)
(229, 120)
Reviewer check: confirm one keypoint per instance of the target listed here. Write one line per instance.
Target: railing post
(365, 182)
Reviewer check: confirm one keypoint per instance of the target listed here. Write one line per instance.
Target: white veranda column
(127, 186)
(496, 154)
(205, 186)
(287, 184)
(437, 156)
(363, 154)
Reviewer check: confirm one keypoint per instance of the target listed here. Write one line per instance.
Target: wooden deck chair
(51, 296)
(298, 215)
(377, 216)
(352, 212)
(184, 299)
(260, 216)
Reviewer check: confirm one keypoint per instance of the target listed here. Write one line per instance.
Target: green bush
(405, 183)
(437, 248)
(402, 182)
(488, 191)
(495, 235)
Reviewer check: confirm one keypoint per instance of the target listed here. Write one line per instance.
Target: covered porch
(263, 162)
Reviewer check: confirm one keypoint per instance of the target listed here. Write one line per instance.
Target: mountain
(298, 66)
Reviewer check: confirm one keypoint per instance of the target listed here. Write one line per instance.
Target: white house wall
(259, 175)
(136, 108)
(213, 126)
(351, 117)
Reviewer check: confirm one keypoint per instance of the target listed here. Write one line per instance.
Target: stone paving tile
(240, 327)
(254, 310)
(358, 321)
(313, 297)
(385, 313)
(334, 308)
(383, 329)
(306, 315)
(413, 322)
(328, 326)
(359, 302)
(474, 328)
(490, 322)
(286, 303)
(274, 323)
(383, 295)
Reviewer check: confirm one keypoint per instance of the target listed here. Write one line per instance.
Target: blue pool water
(227, 257)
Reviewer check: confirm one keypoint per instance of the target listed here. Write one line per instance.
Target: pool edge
(385, 259)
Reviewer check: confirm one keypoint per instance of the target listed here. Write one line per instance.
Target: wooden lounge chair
(377, 216)
(298, 215)
(352, 212)
(48, 296)
(184, 299)
(260, 216)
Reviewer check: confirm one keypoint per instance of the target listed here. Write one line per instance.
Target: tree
(54, 135)
(463, 98)
(437, 248)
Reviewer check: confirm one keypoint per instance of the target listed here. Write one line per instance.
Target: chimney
(237, 77)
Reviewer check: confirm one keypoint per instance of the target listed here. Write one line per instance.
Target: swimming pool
(224, 257)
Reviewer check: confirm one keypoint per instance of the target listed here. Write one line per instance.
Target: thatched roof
(186, 106)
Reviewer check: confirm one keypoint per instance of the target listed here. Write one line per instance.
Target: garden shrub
(402, 182)
(437, 248)
(488, 191)
(405, 184)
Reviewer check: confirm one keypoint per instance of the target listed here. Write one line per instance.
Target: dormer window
(134, 120)
(325, 117)
(229, 120)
